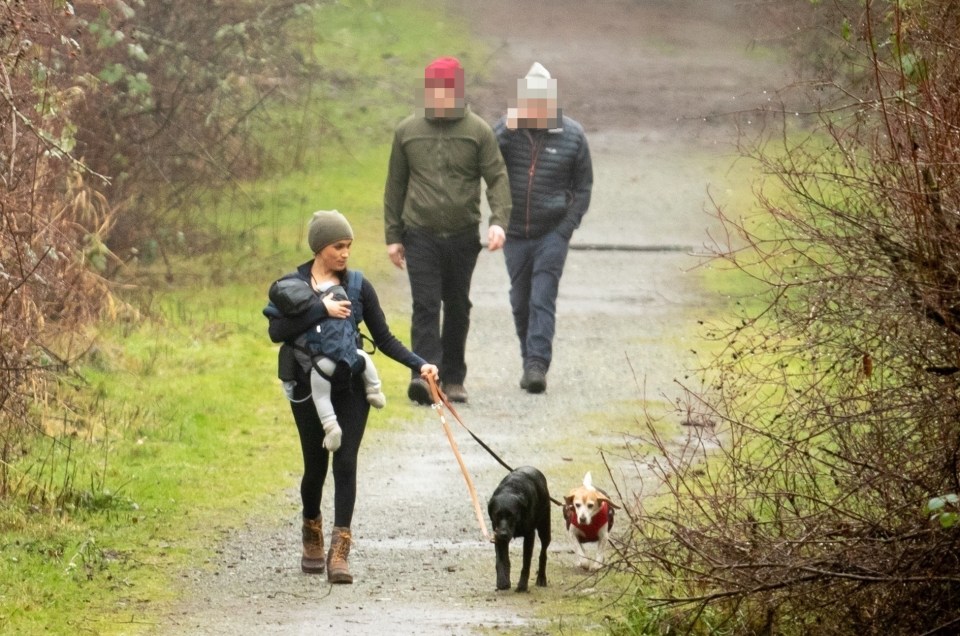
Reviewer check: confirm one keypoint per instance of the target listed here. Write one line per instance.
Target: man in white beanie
(551, 177)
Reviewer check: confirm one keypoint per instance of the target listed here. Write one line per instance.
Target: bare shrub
(171, 90)
(50, 221)
(836, 393)
(117, 120)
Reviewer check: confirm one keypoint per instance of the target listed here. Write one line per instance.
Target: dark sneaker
(455, 392)
(419, 391)
(534, 379)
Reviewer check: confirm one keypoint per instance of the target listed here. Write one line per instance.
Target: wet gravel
(627, 322)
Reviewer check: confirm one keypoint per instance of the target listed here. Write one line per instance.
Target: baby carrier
(332, 338)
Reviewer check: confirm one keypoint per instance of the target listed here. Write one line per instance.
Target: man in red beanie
(443, 88)
(431, 210)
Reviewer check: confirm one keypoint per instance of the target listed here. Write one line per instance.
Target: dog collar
(591, 531)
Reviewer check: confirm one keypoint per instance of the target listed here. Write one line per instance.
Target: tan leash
(438, 397)
(439, 400)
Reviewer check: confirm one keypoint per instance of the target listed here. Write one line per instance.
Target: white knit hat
(537, 84)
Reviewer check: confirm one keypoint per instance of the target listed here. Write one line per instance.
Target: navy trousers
(535, 267)
(440, 268)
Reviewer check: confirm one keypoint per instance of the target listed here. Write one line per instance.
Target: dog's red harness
(590, 532)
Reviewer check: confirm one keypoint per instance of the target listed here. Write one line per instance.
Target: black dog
(520, 507)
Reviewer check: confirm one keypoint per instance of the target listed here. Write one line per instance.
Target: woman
(331, 237)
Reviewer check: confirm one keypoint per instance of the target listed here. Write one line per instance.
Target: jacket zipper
(442, 151)
(536, 145)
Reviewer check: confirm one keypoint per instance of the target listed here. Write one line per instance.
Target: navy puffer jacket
(551, 177)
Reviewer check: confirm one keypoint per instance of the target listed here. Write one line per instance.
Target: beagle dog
(588, 514)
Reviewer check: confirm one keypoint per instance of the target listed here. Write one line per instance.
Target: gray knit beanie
(326, 227)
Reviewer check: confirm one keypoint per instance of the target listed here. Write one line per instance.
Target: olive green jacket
(433, 181)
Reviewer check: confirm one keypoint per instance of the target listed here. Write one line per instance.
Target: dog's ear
(603, 497)
(568, 500)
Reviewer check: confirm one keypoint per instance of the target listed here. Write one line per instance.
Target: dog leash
(439, 399)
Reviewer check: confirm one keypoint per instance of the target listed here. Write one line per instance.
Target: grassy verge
(177, 429)
(745, 291)
(618, 604)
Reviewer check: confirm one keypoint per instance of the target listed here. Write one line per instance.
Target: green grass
(170, 458)
(363, 64)
(178, 430)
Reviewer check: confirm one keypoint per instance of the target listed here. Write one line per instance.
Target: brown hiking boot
(337, 571)
(312, 560)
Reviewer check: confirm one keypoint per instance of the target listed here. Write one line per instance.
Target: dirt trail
(646, 79)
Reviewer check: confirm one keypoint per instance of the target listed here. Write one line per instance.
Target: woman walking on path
(330, 238)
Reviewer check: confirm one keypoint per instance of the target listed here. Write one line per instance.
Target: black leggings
(352, 409)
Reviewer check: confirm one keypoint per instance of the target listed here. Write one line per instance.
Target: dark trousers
(535, 267)
(440, 269)
(350, 405)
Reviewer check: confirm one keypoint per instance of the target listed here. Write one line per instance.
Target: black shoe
(534, 379)
(455, 392)
(419, 391)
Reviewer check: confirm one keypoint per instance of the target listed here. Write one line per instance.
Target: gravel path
(644, 78)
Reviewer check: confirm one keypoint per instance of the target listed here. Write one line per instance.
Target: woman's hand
(429, 371)
(336, 308)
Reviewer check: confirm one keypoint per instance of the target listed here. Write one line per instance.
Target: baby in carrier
(327, 351)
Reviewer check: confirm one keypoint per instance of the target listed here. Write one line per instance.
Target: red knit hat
(444, 71)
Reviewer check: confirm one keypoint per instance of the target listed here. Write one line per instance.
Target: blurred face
(536, 113)
(440, 98)
(334, 257)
